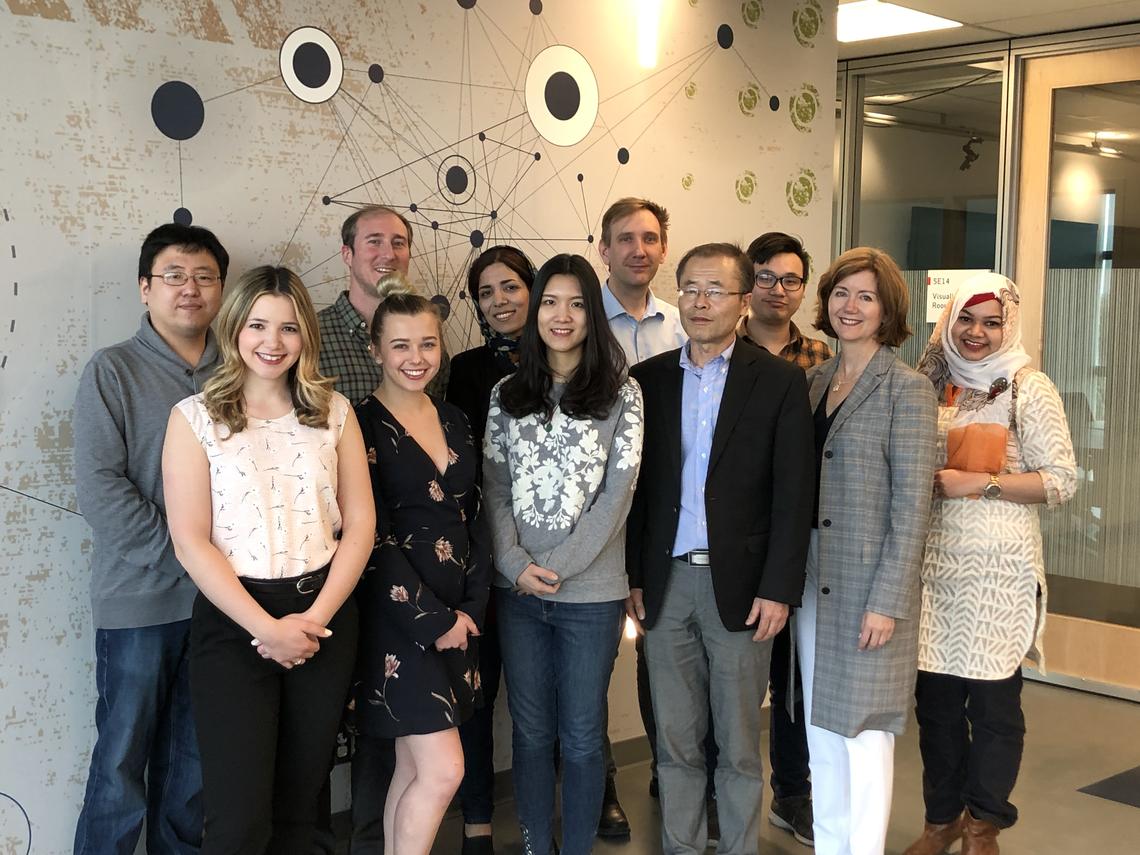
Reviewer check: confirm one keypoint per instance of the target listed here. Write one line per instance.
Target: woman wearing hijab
(1004, 449)
(499, 283)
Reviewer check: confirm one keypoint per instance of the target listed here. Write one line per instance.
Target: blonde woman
(270, 512)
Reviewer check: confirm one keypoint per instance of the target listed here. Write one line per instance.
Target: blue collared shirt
(701, 391)
(658, 330)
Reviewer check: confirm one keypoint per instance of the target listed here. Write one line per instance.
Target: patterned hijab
(942, 362)
(503, 349)
(983, 413)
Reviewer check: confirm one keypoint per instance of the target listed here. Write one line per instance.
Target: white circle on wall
(311, 65)
(561, 95)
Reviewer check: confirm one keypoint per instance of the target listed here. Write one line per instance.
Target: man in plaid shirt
(376, 241)
(780, 265)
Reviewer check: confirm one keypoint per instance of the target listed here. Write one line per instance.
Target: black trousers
(265, 733)
(787, 740)
(373, 763)
(971, 734)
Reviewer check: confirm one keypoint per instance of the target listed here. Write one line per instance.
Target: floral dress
(432, 558)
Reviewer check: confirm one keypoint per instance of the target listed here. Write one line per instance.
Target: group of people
(294, 510)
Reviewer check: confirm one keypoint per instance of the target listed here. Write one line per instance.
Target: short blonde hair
(893, 295)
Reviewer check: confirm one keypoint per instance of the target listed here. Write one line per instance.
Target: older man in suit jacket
(716, 544)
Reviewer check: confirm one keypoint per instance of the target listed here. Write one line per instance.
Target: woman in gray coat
(857, 632)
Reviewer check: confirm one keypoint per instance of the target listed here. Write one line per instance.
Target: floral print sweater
(557, 494)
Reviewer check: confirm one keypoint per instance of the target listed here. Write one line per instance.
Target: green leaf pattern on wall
(800, 191)
(807, 21)
(803, 107)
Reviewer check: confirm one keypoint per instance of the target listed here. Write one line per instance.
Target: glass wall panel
(1092, 313)
(928, 186)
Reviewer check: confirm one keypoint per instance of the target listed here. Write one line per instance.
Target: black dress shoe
(480, 844)
(613, 822)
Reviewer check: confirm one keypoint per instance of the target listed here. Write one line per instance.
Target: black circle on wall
(375, 73)
(623, 155)
(456, 179)
(536, 7)
(443, 305)
(183, 217)
(466, 4)
(177, 110)
(724, 36)
(774, 103)
(562, 96)
(476, 238)
(312, 65)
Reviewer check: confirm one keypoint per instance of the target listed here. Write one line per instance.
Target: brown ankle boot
(979, 837)
(936, 838)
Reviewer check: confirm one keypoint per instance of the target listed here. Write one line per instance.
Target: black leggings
(265, 733)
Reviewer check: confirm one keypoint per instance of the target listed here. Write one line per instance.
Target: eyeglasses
(713, 295)
(177, 278)
(789, 281)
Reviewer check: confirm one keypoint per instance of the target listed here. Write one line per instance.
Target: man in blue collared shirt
(635, 239)
(716, 545)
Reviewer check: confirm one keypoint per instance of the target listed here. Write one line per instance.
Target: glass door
(1078, 265)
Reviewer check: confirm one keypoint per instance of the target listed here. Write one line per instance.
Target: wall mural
(269, 121)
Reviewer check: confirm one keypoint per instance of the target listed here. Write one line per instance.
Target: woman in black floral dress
(424, 592)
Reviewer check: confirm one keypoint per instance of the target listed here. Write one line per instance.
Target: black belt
(696, 558)
(306, 583)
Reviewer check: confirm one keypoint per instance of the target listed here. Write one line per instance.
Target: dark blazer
(758, 491)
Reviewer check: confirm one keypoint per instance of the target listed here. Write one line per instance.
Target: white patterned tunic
(983, 566)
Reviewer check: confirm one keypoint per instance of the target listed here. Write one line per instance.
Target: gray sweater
(558, 494)
(121, 410)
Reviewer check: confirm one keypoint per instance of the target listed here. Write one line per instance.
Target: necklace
(840, 383)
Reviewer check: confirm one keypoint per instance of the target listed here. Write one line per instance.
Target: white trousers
(851, 778)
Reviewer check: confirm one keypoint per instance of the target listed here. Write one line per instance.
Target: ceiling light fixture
(871, 19)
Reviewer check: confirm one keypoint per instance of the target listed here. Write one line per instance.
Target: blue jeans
(557, 658)
(145, 760)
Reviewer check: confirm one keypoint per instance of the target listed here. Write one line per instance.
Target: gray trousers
(694, 662)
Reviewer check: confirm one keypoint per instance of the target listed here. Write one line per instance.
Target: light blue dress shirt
(658, 330)
(701, 391)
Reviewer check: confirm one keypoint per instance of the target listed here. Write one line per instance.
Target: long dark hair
(592, 389)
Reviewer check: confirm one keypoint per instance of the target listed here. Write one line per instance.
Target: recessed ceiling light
(886, 99)
(870, 19)
(881, 116)
(1111, 135)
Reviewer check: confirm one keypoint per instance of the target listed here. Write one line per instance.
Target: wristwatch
(992, 490)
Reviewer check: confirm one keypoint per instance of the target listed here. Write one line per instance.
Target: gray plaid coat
(874, 508)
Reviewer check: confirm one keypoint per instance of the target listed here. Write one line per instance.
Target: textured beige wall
(85, 173)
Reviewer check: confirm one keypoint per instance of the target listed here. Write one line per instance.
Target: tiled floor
(1074, 740)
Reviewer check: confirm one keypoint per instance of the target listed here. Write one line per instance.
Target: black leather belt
(696, 558)
(306, 583)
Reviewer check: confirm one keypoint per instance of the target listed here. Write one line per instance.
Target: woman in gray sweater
(561, 457)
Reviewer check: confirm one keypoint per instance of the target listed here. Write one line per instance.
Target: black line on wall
(42, 502)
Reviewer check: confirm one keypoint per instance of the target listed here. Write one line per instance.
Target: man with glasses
(780, 266)
(716, 544)
(145, 760)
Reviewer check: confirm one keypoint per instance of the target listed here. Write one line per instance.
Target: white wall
(85, 174)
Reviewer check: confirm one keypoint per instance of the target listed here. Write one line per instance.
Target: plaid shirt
(803, 351)
(345, 356)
